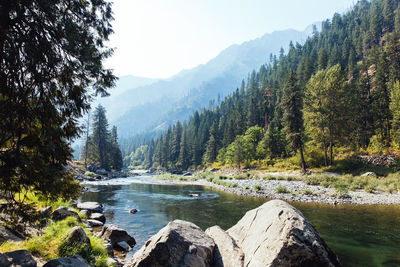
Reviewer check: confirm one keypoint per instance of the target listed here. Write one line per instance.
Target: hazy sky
(159, 38)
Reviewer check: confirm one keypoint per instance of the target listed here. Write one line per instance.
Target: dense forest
(338, 94)
(101, 147)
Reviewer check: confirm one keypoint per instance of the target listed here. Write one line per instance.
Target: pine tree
(292, 104)
(51, 53)
(100, 139)
(116, 154)
(212, 145)
(183, 161)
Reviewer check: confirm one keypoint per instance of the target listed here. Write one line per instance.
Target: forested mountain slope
(348, 75)
(162, 103)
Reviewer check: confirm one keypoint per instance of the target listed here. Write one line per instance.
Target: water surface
(360, 235)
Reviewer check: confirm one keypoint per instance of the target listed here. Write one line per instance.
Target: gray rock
(46, 211)
(78, 238)
(95, 223)
(179, 243)
(92, 207)
(109, 249)
(9, 235)
(73, 203)
(226, 252)
(114, 235)
(75, 261)
(122, 246)
(277, 234)
(111, 262)
(20, 258)
(63, 212)
(133, 210)
(101, 172)
(98, 216)
(368, 174)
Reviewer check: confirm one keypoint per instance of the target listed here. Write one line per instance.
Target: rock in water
(20, 258)
(179, 243)
(133, 211)
(98, 217)
(114, 235)
(95, 223)
(75, 261)
(277, 234)
(226, 252)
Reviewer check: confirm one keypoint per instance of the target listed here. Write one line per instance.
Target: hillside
(162, 103)
(335, 96)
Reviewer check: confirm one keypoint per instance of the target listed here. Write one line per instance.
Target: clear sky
(159, 38)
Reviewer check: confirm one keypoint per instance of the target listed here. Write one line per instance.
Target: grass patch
(48, 246)
(257, 188)
(223, 182)
(90, 174)
(175, 177)
(307, 192)
(281, 189)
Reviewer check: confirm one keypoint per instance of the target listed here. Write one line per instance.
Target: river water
(361, 235)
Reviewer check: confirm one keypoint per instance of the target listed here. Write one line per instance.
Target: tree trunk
(331, 146)
(87, 139)
(325, 155)
(303, 162)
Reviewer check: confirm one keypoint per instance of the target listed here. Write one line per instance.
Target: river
(361, 235)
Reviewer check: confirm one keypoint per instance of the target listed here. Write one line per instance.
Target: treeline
(101, 147)
(339, 91)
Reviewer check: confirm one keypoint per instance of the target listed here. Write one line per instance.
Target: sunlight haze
(157, 38)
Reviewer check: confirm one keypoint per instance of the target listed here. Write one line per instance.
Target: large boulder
(75, 261)
(63, 212)
(226, 252)
(179, 243)
(114, 235)
(277, 234)
(92, 207)
(20, 258)
(77, 240)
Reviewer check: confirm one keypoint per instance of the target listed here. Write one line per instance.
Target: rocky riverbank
(291, 190)
(90, 222)
(275, 234)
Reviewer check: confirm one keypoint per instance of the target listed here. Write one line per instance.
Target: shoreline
(319, 193)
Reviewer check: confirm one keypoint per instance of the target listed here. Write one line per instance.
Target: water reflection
(360, 235)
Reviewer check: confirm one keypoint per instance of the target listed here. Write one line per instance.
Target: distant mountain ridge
(160, 103)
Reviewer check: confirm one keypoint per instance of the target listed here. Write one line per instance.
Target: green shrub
(269, 177)
(281, 189)
(257, 188)
(307, 192)
(90, 174)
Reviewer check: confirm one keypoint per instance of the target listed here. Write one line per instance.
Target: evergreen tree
(116, 154)
(99, 152)
(183, 161)
(395, 109)
(292, 105)
(212, 145)
(51, 54)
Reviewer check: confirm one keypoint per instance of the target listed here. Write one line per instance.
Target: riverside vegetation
(338, 187)
(334, 98)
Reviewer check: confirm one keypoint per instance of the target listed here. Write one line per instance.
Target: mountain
(339, 92)
(123, 85)
(161, 103)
